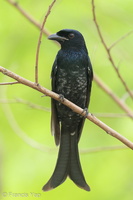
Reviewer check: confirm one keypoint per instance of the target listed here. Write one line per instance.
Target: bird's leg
(85, 110)
(61, 98)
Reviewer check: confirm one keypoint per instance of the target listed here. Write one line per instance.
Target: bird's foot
(85, 112)
(61, 98)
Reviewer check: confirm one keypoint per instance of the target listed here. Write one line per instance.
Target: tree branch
(9, 83)
(39, 40)
(69, 104)
(111, 115)
(96, 78)
(25, 102)
(28, 16)
(120, 39)
(42, 108)
(119, 102)
(108, 51)
(99, 149)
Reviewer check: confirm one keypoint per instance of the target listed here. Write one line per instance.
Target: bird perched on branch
(72, 76)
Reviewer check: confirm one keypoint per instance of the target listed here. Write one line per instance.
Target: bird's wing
(89, 83)
(55, 126)
(90, 78)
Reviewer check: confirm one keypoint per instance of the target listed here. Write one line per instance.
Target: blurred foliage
(25, 169)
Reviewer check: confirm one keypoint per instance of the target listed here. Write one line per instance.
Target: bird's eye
(71, 35)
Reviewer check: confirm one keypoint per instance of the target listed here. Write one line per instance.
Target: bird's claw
(85, 110)
(61, 98)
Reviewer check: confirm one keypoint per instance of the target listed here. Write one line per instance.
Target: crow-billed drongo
(71, 77)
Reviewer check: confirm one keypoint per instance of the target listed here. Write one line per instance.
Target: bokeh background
(27, 150)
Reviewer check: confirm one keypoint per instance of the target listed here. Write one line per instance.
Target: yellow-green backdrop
(27, 150)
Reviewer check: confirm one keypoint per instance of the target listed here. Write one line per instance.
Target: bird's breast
(72, 83)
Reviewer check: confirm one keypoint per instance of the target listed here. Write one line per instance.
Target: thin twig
(39, 40)
(69, 104)
(15, 126)
(108, 51)
(9, 83)
(119, 102)
(25, 102)
(19, 132)
(100, 149)
(120, 39)
(28, 16)
(125, 96)
(111, 115)
(42, 108)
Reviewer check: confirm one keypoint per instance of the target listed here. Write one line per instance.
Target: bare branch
(71, 105)
(9, 83)
(39, 40)
(22, 101)
(119, 102)
(20, 133)
(28, 16)
(108, 51)
(111, 115)
(120, 39)
(42, 108)
(99, 149)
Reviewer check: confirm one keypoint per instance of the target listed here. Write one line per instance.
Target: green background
(27, 150)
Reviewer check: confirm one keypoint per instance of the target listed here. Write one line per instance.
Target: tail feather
(68, 164)
(75, 170)
(61, 170)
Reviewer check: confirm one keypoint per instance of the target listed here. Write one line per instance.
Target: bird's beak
(57, 38)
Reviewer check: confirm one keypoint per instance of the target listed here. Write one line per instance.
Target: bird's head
(68, 38)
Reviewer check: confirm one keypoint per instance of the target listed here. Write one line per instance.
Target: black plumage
(71, 77)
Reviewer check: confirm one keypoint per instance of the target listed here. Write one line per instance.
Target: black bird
(71, 77)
